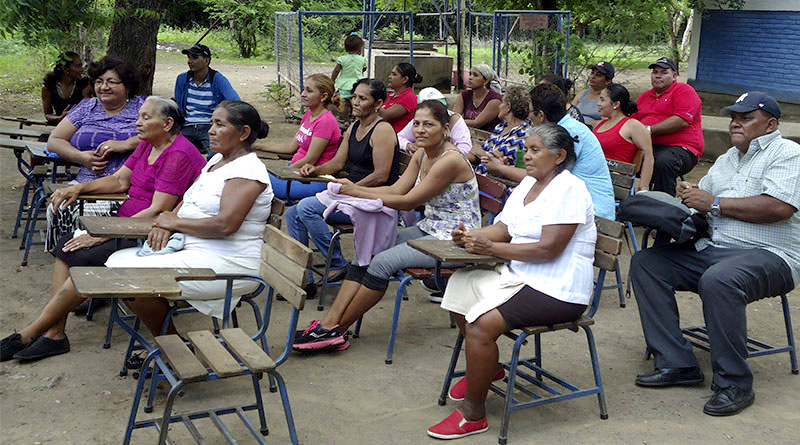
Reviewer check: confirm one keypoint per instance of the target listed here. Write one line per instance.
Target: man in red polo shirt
(671, 113)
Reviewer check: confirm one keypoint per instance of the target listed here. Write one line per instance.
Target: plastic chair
(543, 386)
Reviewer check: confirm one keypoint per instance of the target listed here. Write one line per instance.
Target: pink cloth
(408, 100)
(459, 135)
(325, 126)
(374, 225)
(173, 172)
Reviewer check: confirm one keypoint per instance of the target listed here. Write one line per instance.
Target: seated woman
(316, 140)
(564, 85)
(368, 154)
(601, 76)
(459, 132)
(438, 176)
(622, 136)
(98, 134)
(508, 137)
(547, 231)
(480, 103)
(222, 217)
(155, 176)
(64, 87)
(398, 109)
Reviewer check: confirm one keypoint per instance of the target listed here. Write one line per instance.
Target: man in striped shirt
(198, 92)
(751, 195)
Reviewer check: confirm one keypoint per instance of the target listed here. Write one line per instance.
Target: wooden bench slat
(211, 351)
(248, 351)
(605, 260)
(621, 180)
(282, 285)
(16, 132)
(608, 244)
(489, 204)
(277, 207)
(294, 272)
(290, 247)
(181, 359)
(614, 229)
(491, 187)
(620, 193)
(625, 168)
(582, 321)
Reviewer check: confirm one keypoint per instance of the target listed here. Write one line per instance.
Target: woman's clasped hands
(472, 242)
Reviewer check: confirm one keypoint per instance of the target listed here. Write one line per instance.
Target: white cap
(429, 94)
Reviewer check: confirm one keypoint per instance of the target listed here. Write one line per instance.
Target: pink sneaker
(342, 346)
(459, 390)
(455, 426)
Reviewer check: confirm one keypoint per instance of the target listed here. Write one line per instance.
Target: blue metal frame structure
(502, 29)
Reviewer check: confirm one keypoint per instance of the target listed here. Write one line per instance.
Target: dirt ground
(352, 396)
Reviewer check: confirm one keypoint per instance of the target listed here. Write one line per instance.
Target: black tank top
(59, 103)
(359, 156)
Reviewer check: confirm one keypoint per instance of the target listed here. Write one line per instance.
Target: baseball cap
(665, 62)
(198, 50)
(431, 93)
(605, 68)
(754, 100)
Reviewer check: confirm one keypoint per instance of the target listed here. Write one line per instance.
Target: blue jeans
(198, 135)
(305, 218)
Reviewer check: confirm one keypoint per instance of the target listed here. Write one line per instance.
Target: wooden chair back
(276, 213)
(403, 159)
(609, 243)
(492, 194)
(479, 135)
(285, 265)
(622, 177)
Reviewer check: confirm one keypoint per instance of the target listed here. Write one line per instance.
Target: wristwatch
(715, 210)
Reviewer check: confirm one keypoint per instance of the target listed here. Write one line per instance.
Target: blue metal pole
(508, 37)
(495, 38)
(411, 36)
(566, 44)
(300, 48)
(277, 50)
(469, 30)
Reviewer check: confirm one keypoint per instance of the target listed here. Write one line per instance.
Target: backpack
(664, 213)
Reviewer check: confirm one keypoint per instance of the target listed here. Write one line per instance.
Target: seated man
(671, 113)
(752, 194)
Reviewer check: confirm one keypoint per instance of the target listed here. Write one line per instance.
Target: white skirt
(473, 292)
(207, 297)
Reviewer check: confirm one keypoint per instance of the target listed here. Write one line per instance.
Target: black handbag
(664, 213)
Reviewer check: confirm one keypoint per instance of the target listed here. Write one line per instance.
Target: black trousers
(669, 162)
(726, 280)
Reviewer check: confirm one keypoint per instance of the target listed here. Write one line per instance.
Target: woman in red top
(620, 135)
(399, 107)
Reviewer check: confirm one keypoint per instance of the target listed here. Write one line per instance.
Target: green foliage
(23, 66)
(63, 24)
(247, 21)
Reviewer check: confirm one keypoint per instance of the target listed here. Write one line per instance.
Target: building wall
(735, 51)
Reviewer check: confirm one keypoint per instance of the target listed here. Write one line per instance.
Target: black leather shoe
(729, 401)
(663, 377)
(10, 346)
(43, 347)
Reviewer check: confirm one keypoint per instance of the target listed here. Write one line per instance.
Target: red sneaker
(459, 390)
(455, 426)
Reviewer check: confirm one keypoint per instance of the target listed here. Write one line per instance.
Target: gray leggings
(390, 261)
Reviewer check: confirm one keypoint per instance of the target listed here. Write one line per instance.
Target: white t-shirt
(202, 200)
(565, 200)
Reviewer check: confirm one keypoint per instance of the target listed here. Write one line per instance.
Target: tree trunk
(687, 36)
(133, 36)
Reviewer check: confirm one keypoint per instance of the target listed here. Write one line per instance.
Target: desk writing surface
(49, 188)
(447, 251)
(281, 170)
(15, 144)
(117, 227)
(20, 133)
(37, 149)
(106, 282)
(24, 120)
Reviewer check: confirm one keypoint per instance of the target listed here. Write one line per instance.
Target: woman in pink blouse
(155, 176)
(317, 139)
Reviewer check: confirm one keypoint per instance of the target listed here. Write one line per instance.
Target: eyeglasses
(110, 82)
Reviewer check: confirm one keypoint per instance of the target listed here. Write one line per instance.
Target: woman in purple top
(98, 134)
(480, 103)
(156, 175)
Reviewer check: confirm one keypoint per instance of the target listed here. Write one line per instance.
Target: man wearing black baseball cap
(751, 196)
(671, 113)
(198, 92)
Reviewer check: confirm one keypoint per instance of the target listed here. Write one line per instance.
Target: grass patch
(21, 67)
(223, 46)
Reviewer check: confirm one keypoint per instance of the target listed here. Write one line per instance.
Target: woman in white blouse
(547, 231)
(222, 218)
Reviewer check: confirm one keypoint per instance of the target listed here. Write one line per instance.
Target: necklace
(61, 90)
(118, 109)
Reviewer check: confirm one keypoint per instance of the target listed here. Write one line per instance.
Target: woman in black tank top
(64, 87)
(368, 153)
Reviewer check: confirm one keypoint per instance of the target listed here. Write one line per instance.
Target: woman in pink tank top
(622, 136)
